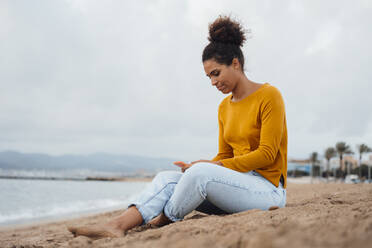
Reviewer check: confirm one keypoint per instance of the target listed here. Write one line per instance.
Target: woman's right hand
(184, 166)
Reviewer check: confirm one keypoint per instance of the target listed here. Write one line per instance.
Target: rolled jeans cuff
(167, 212)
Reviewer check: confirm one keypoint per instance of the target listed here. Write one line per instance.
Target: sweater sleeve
(272, 127)
(224, 149)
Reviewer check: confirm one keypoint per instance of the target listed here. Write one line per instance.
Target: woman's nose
(214, 82)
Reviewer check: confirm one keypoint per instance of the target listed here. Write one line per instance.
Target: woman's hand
(207, 161)
(184, 166)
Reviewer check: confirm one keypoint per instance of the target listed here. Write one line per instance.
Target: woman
(250, 168)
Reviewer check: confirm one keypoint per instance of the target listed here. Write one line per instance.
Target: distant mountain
(12, 160)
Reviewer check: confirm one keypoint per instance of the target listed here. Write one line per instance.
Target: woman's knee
(200, 168)
(165, 177)
(198, 172)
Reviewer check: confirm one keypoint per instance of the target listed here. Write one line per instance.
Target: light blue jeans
(177, 194)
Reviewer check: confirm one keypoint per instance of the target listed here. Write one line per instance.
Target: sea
(24, 201)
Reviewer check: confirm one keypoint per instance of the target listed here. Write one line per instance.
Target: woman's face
(222, 76)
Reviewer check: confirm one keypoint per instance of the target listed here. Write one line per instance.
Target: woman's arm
(272, 128)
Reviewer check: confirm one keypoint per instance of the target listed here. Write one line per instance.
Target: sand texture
(317, 215)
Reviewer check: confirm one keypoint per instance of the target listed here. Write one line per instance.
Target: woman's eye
(217, 74)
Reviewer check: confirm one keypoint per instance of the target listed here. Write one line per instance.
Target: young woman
(250, 169)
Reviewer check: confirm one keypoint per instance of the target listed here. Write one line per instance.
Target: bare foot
(161, 220)
(97, 231)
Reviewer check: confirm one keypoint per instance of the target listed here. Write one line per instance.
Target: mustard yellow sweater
(253, 134)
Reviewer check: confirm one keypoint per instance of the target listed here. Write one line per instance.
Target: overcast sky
(126, 76)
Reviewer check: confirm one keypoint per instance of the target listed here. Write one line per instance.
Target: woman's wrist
(207, 161)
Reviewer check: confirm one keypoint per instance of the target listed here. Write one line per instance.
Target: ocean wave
(70, 173)
(68, 208)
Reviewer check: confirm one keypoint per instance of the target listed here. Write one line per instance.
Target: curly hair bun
(226, 30)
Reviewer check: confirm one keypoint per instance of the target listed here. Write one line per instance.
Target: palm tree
(342, 149)
(313, 160)
(362, 148)
(329, 153)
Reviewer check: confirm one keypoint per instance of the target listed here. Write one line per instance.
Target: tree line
(340, 149)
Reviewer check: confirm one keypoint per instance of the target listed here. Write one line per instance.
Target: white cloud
(325, 38)
(122, 77)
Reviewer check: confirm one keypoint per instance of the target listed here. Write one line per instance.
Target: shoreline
(60, 218)
(25, 201)
(316, 215)
(113, 179)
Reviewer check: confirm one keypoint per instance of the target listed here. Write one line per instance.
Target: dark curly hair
(226, 36)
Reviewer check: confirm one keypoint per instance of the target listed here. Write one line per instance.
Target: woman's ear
(236, 64)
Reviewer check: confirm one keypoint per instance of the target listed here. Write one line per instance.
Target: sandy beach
(316, 215)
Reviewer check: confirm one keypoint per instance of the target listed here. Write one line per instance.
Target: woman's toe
(91, 232)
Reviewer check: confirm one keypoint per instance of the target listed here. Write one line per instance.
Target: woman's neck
(244, 87)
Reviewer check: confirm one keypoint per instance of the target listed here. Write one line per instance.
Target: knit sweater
(253, 134)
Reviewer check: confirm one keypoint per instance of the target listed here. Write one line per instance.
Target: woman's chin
(225, 91)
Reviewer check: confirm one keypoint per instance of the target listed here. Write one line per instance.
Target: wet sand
(316, 215)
